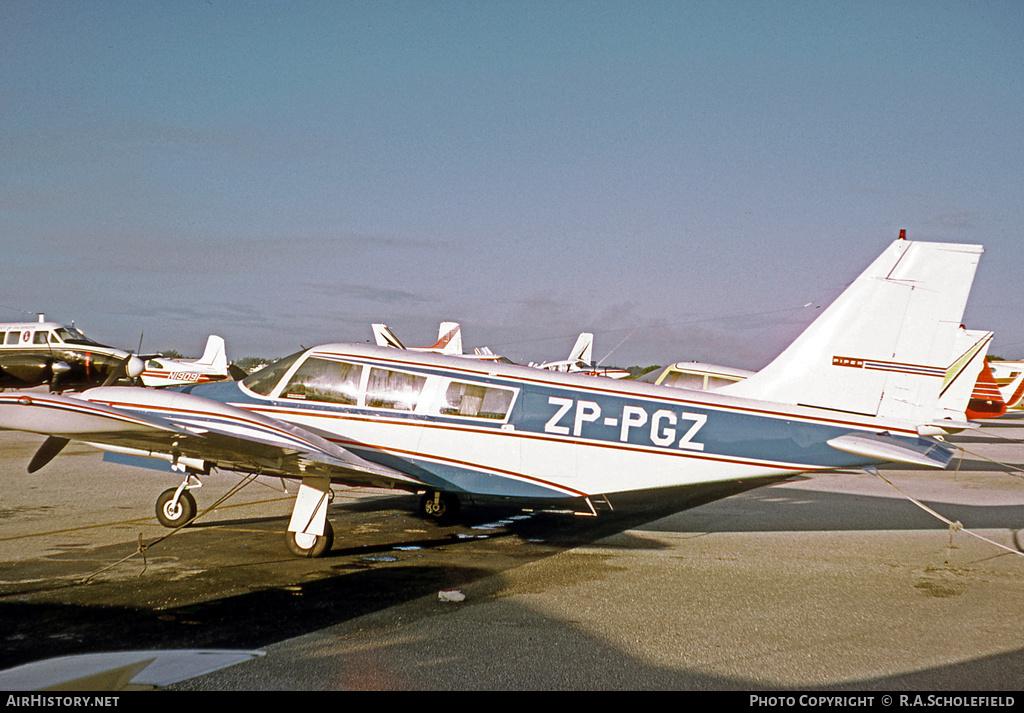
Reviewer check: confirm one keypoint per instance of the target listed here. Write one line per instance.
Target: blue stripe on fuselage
(607, 414)
(683, 428)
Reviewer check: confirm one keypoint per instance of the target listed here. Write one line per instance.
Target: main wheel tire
(440, 506)
(302, 545)
(178, 514)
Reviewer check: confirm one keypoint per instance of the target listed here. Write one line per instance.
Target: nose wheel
(175, 507)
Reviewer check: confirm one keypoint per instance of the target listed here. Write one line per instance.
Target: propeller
(130, 367)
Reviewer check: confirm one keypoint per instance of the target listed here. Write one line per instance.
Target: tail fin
(385, 337)
(583, 350)
(215, 354)
(449, 339)
(986, 399)
(884, 347)
(1013, 393)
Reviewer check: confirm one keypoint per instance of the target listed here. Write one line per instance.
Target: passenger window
(393, 389)
(684, 380)
(13, 337)
(476, 401)
(335, 382)
(39, 338)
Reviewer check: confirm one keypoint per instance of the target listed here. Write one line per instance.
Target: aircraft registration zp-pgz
(875, 378)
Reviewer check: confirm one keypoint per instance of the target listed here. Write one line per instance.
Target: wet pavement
(834, 582)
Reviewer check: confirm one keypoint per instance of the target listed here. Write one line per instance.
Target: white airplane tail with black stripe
(890, 346)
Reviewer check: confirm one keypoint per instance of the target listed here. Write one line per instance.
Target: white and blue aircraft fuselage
(868, 382)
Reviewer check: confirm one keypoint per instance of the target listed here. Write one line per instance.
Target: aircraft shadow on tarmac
(227, 585)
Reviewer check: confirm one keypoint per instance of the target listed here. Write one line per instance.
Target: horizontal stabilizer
(925, 451)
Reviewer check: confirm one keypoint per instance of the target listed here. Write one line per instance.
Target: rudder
(884, 347)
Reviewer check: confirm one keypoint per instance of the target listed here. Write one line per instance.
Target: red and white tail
(449, 339)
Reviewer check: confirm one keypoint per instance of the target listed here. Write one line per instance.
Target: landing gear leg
(440, 506)
(309, 532)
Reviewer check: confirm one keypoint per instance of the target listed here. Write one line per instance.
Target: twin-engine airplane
(864, 384)
(47, 353)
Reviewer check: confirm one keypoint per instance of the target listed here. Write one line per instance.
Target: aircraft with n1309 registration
(861, 386)
(211, 366)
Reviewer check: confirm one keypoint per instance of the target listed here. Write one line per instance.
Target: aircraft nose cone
(135, 367)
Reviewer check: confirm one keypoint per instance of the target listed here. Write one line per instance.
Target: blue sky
(680, 178)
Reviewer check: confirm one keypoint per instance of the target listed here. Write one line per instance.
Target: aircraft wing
(189, 429)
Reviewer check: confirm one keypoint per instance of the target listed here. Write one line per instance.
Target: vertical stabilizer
(583, 350)
(215, 354)
(885, 346)
(449, 339)
(384, 337)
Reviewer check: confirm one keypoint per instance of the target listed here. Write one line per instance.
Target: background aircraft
(1009, 376)
(449, 339)
(211, 366)
(38, 353)
(581, 361)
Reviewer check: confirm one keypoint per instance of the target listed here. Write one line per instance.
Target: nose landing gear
(176, 507)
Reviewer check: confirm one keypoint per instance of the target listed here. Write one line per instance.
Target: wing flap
(881, 446)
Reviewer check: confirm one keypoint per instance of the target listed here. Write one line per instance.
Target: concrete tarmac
(835, 582)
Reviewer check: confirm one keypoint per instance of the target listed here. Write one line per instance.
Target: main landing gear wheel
(303, 545)
(175, 514)
(440, 506)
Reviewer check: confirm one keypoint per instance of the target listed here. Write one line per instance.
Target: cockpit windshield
(70, 335)
(264, 380)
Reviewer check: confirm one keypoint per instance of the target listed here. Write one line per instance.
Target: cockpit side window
(263, 381)
(476, 401)
(325, 380)
(70, 335)
(393, 389)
